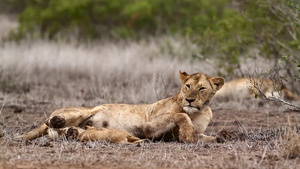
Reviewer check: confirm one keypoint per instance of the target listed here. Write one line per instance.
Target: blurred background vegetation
(228, 30)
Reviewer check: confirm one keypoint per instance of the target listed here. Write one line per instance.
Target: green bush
(225, 29)
(121, 18)
(267, 25)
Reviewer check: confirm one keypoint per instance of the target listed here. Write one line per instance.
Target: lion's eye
(202, 88)
(187, 85)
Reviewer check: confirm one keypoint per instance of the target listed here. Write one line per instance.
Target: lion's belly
(130, 118)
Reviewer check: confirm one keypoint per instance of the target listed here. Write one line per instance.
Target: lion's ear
(183, 76)
(218, 82)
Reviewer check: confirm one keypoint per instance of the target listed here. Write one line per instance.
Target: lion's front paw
(57, 122)
(187, 139)
(206, 139)
(187, 135)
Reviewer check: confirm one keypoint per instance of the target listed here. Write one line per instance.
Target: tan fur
(188, 111)
(243, 88)
(101, 134)
(35, 133)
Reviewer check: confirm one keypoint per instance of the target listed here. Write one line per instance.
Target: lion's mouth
(192, 107)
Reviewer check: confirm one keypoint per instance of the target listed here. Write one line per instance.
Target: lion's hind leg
(66, 117)
(71, 133)
(56, 122)
(35, 133)
(101, 134)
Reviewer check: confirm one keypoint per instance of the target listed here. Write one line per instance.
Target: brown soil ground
(257, 138)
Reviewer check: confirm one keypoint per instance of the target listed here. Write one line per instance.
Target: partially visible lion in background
(185, 116)
(248, 88)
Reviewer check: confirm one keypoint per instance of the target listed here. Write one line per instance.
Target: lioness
(186, 115)
(244, 88)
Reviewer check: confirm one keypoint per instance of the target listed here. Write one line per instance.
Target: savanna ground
(37, 77)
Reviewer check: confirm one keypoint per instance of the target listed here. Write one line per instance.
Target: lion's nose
(190, 100)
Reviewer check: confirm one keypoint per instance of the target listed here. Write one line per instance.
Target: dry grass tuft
(291, 142)
(291, 148)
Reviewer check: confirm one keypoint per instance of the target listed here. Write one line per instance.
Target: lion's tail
(35, 133)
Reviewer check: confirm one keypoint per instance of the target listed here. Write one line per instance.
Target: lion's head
(197, 91)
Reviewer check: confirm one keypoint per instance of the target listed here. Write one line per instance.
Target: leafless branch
(272, 98)
(159, 77)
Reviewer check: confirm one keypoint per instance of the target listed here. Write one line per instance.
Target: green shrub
(121, 18)
(225, 29)
(267, 25)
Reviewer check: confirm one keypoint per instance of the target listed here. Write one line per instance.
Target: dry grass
(71, 70)
(291, 148)
(37, 77)
(291, 142)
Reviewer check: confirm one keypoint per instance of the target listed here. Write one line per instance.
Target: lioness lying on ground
(244, 88)
(184, 116)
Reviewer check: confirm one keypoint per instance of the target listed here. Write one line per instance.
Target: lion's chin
(190, 109)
